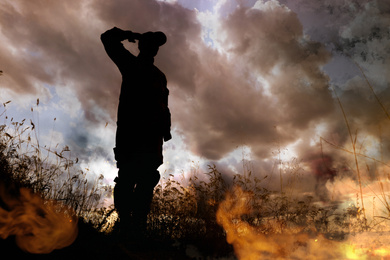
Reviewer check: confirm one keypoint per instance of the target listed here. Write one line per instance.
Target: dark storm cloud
(54, 43)
(266, 87)
(58, 44)
(217, 100)
(268, 40)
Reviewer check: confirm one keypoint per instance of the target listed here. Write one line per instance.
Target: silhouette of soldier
(143, 122)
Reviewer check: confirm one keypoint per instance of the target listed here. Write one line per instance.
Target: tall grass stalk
(353, 142)
(351, 152)
(372, 90)
(280, 164)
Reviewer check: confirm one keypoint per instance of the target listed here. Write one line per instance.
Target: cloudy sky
(253, 80)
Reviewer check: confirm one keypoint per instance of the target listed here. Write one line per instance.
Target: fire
(248, 242)
(39, 226)
(360, 253)
(251, 244)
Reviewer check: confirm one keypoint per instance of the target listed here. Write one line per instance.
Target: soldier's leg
(124, 195)
(143, 195)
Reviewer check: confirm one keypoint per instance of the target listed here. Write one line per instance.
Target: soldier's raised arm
(112, 41)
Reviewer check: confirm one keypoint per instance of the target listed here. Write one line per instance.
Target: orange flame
(251, 244)
(248, 243)
(39, 226)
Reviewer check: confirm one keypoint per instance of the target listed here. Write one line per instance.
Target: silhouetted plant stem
(372, 90)
(353, 142)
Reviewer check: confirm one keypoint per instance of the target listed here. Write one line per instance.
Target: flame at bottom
(39, 226)
(251, 244)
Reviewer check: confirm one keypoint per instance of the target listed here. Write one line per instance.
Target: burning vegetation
(42, 197)
(39, 226)
(44, 194)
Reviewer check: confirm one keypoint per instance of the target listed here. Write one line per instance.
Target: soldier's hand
(131, 36)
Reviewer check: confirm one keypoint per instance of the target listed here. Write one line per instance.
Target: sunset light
(258, 129)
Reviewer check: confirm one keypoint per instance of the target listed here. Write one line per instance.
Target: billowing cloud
(217, 99)
(53, 48)
(265, 50)
(257, 78)
(54, 44)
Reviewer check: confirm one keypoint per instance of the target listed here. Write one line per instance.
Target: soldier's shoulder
(160, 73)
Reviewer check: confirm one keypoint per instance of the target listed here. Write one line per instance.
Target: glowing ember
(39, 226)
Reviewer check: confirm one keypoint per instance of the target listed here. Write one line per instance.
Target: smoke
(322, 167)
(39, 226)
(366, 44)
(366, 38)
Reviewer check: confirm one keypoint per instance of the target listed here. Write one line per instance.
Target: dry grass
(182, 212)
(48, 171)
(178, 211)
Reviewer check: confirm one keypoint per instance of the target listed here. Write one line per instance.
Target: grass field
(209, 217)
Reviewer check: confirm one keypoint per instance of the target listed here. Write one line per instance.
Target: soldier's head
(150, 42)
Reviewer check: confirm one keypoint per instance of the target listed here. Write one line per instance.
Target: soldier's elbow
(103, 37)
